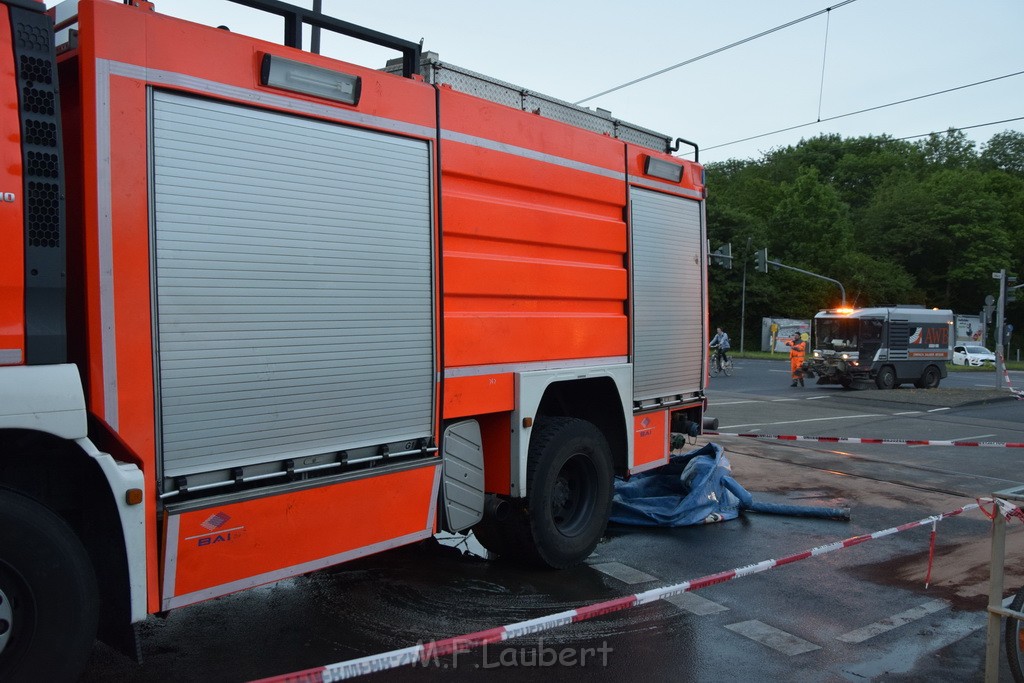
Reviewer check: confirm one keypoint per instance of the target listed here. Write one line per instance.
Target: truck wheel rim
(15, 597)
(6, 619)
(572, 495)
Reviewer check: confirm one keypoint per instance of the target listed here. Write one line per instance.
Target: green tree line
(897, 222)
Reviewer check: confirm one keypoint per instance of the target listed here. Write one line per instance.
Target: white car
(972, 355)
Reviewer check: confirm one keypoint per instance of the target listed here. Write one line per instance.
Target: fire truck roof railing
(296, 17)
(485, 87)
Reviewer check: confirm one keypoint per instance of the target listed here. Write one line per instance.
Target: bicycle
(719, 364)
(1015, 639)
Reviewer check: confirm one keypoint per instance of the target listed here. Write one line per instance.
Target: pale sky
(878, 51)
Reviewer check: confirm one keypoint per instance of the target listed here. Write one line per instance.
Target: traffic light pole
(842, 289)
(1000, 307)
(743, 299)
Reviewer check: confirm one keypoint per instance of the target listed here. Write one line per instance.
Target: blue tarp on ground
(693, 488)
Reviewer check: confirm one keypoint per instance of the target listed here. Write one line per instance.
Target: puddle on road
(442, 588)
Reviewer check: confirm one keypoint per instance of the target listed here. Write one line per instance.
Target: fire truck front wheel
(49, 604)
(569, 469)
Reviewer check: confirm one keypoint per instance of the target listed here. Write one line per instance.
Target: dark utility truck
(889, 346)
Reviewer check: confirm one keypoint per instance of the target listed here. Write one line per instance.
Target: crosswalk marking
(623, 572)
(895, 621)
(695, 604)
(776, 639)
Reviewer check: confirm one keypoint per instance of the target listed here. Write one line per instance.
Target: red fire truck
(263, 312)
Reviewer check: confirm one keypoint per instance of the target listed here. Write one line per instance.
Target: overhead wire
(824, 56)
(977, 125)
(827, 11)
(762, 34)
(862, 111)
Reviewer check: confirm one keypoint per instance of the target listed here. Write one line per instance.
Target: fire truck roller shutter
(293, 285)
(667, 295)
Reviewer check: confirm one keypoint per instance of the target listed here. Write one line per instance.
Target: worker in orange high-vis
(797, 347)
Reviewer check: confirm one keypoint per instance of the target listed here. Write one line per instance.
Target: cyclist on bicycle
(721, 342)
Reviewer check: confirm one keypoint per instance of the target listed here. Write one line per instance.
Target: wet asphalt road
(857, 614)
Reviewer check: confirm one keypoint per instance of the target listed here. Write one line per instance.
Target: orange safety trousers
(796, 358)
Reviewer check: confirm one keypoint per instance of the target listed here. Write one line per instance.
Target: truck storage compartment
(294, 288)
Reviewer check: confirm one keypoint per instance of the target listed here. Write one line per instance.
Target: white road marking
(815, 398)
(732, 403)
(780, 400)
(778, 640)
(909, 412)
(895, 621)
(937, 410)
(695, 604)
(790, 422)
(623, 572)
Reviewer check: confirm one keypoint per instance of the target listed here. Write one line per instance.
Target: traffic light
(1011, 288)
(761, 260)
(723, 255)
(986, 313)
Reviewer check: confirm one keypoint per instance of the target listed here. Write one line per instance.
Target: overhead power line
(762, 34)
(862, 111)
(977, 125)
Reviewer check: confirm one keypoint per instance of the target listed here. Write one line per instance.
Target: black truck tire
(886, 378)
(929, 379)
(48, 587)
(569, 472)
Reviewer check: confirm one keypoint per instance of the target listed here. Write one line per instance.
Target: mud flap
(463, 475)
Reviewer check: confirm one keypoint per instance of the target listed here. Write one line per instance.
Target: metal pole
(842, 289)
(995, 596)
(1000, 364)
(314, 43)
(743, 296)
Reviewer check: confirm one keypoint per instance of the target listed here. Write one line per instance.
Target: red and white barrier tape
(879, 442)
(423, 653)
(1005, 507)
(1006, 376)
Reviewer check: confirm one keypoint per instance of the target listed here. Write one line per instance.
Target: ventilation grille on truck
(43, 190)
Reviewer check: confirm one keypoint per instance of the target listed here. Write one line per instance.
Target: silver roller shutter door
(293, 285)
(668, 323)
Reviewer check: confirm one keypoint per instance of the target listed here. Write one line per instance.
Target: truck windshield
(836, 334)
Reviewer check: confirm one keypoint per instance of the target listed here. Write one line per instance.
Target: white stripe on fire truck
(476, 370)
(249, 96)
(327, 111)
(108, 327)
(525, 153)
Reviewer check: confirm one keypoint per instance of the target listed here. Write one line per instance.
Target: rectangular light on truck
(659, 168)
(287, 74)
